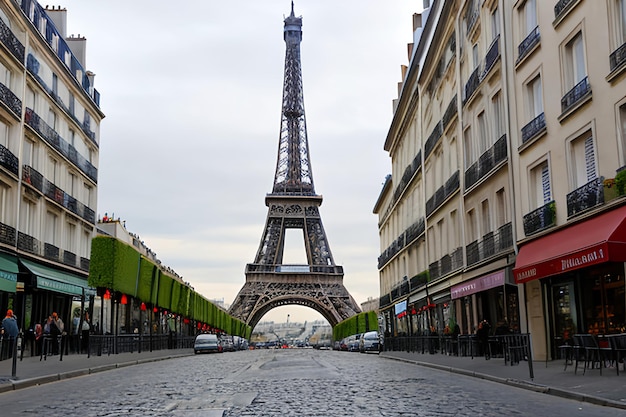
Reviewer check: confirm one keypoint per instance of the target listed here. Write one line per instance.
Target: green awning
(8, 272)
(57, 281)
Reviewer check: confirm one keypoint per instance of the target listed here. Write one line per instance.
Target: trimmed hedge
(359, 323)
(119, 267)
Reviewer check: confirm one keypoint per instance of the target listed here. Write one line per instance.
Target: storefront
(580, 271)
(8, 282)
(49, 290)
(489, 297)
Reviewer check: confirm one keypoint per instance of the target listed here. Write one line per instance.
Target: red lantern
(186, 320)
(155, 309)
(107, 295)
(123, 299)
(199, 325)
(143, 307)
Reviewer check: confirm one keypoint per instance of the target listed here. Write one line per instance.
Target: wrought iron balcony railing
(9, 40)
(384, 301)
(491, 244)
(442, 194)
(575, 95)
(533, 128)
(540, 219)
(472, 84)
(8, 160)
(618, 57)
(7, 234)
(450, 112)
(447, 264)
(10, 100)
(528, 44)
(492, 56)
(51, 252)
(561, 6)
(27, 243)
(33, 177)
(405, 238)
(432, 140)
(33, 120)
(486, 163)
(588, 196)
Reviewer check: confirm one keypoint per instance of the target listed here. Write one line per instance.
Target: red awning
(599, 239)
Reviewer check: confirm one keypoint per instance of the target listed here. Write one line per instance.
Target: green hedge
(120, 267)
(359, 323)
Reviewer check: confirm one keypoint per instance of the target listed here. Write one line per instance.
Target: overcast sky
(192, 96)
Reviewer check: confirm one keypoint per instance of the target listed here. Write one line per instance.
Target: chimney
(59, 18)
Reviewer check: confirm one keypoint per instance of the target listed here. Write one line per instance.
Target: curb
(557, 392)
(16, 384)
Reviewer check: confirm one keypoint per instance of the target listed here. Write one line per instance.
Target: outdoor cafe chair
(617, 343)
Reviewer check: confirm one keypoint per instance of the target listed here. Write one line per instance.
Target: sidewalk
(607, 389)
(31, 371)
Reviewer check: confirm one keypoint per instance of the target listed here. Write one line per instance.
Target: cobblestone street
(293, 382)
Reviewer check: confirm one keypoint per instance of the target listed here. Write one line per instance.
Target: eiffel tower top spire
(293, 167)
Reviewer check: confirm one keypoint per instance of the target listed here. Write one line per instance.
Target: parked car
(369, 342)
(227, 344)
(353, 343)
(207, 343)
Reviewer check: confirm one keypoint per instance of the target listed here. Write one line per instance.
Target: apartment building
(49, 145)
(507, 147)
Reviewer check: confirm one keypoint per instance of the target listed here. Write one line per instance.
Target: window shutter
(545, 184)
(590, 159)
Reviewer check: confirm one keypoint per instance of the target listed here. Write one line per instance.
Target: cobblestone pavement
(285, 383)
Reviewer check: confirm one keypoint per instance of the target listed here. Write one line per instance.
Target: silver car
(369, 342)
(207, 343)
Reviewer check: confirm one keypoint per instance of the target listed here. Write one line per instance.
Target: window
(468, 148)
(55, 42)
(483, 140)
(486, 217)
(498, 116)
(529, 16)
(535, 99)
(495, 24)
(471, 225)
(441, 250)
(452, 235)
(622, 132)
(28, 153)
(51, 227)
(87, 195)
(72, 184)
(5, 75)
(583, 160)
(27, 217)
(4, 134)
(541, 192)
(574, 63)
(501, 214)
(475, 57)
(55, 84)
(53, 170)
(30, 99)
(85, 244)
(4, 200)
(52, 119)
(71, 137)
(71, 237)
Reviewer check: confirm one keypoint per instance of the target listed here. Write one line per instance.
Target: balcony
(586, 197)
(27, 243)
(576, 95)
(51, 252)
(491, 244)
(9, 40)
(528, 44)
(540, 219)
(10, 100)
(384, 301)
(561, 7)
(405, 238)
(472, 84)
(33, 120)
(446, 265)
(450, 113)
(7, 234)
(32, 177)
(9, 161)
(432, 140)
(618, 57)
(534, 128)
(69, 258)
(492, 56)
(486, 163)
(442, 194)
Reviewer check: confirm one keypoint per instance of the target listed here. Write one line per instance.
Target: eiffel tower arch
(293, 204)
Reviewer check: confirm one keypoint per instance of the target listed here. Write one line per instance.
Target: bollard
(16, 343)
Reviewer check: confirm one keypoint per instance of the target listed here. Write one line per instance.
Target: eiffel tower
(293, 204)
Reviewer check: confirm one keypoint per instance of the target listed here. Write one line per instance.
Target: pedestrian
(9, 325)
(9, 334)
(56, 327)
(483, 337)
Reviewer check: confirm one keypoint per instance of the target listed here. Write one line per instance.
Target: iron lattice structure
(293, 204)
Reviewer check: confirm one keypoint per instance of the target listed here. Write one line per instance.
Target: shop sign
(477, 285)
(576, 260)
(400, 308)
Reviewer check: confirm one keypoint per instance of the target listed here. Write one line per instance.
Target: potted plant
(610, 189)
